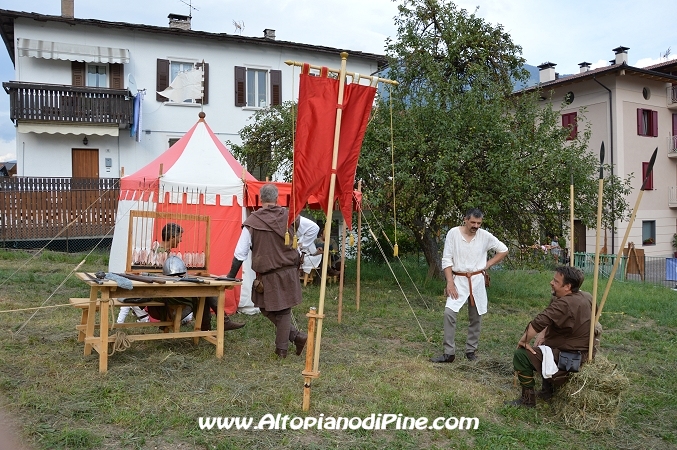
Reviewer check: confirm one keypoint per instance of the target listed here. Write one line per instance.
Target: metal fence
(654, 270)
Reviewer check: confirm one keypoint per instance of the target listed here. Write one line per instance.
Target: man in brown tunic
(276, 266)
(563, 326)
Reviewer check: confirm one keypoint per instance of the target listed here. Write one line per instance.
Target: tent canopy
(197, 175)
(253, 200)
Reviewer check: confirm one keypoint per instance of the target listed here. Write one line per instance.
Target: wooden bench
(83, 304)
(309, 277)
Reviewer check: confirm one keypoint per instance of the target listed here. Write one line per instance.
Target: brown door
(85, 163)
(579, 237)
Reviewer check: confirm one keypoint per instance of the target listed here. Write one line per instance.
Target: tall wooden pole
(343, 265)
(595, 281)
(571, 221)
(330, 208)
(627, 233)
(308, 373)
(359, 246)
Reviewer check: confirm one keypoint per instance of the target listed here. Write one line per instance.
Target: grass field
(375, 361)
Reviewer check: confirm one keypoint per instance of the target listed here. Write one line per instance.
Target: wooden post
(600, 193)
(343, 266)
(571, 221)
(359, 247)
(308, 373)
(625, 238)
(330, 209)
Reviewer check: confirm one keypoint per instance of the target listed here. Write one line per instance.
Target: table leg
(178, 312)
(103, 350)
(91, 318)
(219, 322)
(198, 317)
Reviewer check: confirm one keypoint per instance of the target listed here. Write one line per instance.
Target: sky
(564, 33)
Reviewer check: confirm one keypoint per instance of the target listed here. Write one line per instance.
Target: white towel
(548, 368)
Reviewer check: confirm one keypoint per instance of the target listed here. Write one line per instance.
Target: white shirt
(306, 232)
(469, 256)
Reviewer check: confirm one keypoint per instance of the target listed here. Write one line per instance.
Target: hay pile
(591, 399)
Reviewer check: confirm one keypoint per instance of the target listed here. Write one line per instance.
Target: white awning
(71, 52)
(71, 128)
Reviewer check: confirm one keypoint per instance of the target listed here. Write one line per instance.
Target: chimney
(179, 21)
(67, 8)
(621, 55)
(546, 72)
(269, 34)
(585, 66)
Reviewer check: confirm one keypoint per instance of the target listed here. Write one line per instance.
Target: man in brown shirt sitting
(564, 326)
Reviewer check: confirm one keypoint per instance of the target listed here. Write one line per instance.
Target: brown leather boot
(527, 399)
(281, 354)
(547, 390)
(230, 325)
(300, 342)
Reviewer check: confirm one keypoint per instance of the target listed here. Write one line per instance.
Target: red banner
(313, 149)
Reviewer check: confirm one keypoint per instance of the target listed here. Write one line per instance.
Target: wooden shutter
(206, 82)
(162, 80)
(640, 117)
(275, 87)
(654, 123)
(78, 68)
(649, 182)
(117, 76)
(569, 120)
(240, 86)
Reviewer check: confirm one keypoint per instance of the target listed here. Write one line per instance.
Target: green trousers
(523, 367)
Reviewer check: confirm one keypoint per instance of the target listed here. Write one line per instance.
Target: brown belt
(469, 275)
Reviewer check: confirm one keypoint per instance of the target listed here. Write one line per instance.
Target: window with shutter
(569, 121)
(647, 122)
(257, 88)
(168, 70)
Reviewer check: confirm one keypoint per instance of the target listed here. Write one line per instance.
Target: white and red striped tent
(196, 175)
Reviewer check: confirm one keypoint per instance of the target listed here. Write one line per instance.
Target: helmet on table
(174, 266)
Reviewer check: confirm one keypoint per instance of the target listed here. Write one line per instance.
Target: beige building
(633, 111)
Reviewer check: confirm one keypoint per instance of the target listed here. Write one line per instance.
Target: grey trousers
(285, 332)
(450, 330)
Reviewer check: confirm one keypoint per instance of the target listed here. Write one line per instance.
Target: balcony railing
(672, 197)
(672, 96)
(672, 146)
(60, 103)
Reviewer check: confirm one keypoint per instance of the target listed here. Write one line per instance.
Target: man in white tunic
(464, 262)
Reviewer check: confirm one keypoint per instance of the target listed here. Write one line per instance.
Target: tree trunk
(428, 242)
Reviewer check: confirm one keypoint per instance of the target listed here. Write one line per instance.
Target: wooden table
(100, 294)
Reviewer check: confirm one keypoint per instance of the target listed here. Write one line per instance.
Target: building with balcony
(76, 81)
(633, 111)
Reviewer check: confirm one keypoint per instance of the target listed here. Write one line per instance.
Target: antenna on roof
(666, 55)
(190, 7)
(239, 26)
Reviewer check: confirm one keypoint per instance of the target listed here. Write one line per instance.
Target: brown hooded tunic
(276, 264)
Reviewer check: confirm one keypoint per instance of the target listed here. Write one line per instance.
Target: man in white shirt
(464, 262)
